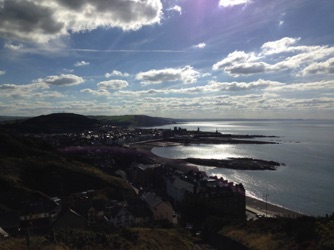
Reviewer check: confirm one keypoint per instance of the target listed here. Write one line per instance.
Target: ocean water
(306, 147)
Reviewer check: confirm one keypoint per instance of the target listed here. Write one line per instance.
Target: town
(166, 192)
(72, 182)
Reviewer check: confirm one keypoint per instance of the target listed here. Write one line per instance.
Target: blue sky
(168, 58)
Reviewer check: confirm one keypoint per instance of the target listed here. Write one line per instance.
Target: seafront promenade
(254, 206)
(266, 209)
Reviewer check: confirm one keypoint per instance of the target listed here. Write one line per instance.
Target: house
(120, 216)
(143, 174)
(121, 174)
(96, 212)
(3, 234)
(40, 213)
(160, 209)
(140, 211)
(176, 188)
(70, 219)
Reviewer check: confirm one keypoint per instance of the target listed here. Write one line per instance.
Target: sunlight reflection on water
(306, 147)
(201, 151)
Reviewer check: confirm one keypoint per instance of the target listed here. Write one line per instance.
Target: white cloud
(236, 57)
(62, 80)
(99, 92)
(82, 63)
(231, 98)
(200, 46)
(242, 86)
(2, 72)
(12, 46)
(240, 63)
(247, 68)
(280, 46)
(24, 90)
(230, 3)
(210, 88)
(43, 20)
(186, 74)
(116, 73)
(277, 56)
(258, 105)
(305, 86)
(9, 86)
(206, 75)
(176, 8)
(68, 70)
(326, 67)
(113, 84)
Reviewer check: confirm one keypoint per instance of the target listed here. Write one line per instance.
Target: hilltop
(57, 122)
(70, 122)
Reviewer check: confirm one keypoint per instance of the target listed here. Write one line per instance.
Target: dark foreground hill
(57, 122)
(30, 170)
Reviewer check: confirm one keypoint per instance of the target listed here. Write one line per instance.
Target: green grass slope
(284, 233)
(138, 238)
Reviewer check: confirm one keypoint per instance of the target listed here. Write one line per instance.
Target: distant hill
(57, 122)
(134, 120)
(12, 118)
(69, 122)
(29, 169)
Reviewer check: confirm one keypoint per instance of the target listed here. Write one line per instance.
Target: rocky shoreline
(236, 163)
(221, 139)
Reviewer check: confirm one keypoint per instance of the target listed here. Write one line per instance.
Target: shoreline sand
(253, 205)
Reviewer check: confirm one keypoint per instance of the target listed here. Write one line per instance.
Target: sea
(305, 180)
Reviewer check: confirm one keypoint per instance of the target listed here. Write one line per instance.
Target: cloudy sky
(168, 58)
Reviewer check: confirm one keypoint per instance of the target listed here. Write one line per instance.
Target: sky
(168, 58)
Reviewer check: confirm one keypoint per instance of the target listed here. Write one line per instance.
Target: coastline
(262, 208)
(253, 205)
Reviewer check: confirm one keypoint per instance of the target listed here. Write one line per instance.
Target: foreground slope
(29, 169)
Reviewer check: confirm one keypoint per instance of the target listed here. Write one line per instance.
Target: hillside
(29, 169)
(11, 118)
(57, 122)
(284, 233)
(69, 122)
(138, 238)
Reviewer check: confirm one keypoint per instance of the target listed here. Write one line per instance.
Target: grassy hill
(29, 169)
(69, 122)
(57, 122)
(284, 233)
(138, 238)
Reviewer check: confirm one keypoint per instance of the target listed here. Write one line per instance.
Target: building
(161, 210)
(143, 174)
(40, 213)
(120, 216)
(69, 219)
(177, 187)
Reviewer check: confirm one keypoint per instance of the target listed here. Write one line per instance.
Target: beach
(253, 206)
